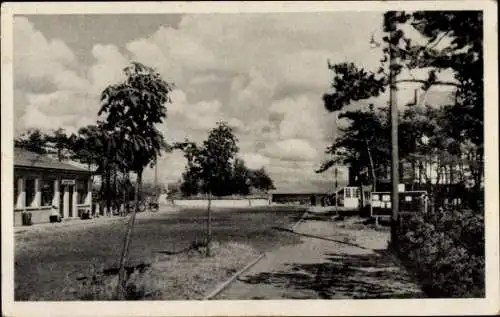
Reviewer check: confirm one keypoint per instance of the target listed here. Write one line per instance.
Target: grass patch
(170, 277)
(49, 261)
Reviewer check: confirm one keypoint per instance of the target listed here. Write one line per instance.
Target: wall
(222, 203)
(41, 214)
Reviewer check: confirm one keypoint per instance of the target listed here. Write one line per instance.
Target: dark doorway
(70, 201)
(61, 204)
(313, 200)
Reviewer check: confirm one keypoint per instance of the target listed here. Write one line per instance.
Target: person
(55, 214)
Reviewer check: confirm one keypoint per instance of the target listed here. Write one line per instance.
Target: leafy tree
(133, 108)
(215, 160)
(241, 179)
(260, 180)
(209, 166)
(450, 128)
(33, 141)
(364, 144)
(190, 178)
(89, 145)
(61, 143)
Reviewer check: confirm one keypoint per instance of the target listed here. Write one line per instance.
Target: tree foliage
(33, 140)
(260, 180)
(213, 166)
(132, 110)
(453, 42)
(209, 166)
(241, 178)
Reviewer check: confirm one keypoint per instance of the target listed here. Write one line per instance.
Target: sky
(264, 74)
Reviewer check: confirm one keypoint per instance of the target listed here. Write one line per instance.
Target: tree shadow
(365, 276)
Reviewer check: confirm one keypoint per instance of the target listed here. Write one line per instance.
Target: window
(355, 193)
(347, 192)
(82, 189)
(47, 189)
(30, 191)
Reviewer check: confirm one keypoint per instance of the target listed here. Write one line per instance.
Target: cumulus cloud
(291, 150)
(36, 57)
(264, 74)
(255, 160)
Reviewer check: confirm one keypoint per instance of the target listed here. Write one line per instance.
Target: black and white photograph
(291, 155)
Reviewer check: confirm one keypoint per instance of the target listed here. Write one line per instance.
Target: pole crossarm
(421, 81)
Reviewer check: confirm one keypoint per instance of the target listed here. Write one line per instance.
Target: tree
(241, 179)
(209, 166)
(133, 108)
(215, 160)
(190, 177)
(61, 144)
(260, 180)
(461, 53)
(33, 141)
(363, 144)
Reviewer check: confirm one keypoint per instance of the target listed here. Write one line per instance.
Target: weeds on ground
(190, 275)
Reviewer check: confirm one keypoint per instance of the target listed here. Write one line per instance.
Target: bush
(446, 251)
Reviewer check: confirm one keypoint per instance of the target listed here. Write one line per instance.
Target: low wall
(37, 216)
(222, 203)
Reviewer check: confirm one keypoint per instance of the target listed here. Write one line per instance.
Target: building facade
(46, 187)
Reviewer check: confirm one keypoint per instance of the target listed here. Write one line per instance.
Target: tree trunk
(124, 193)
(372, 167)
(361, 197)
(209, 224)
(108, 190)
(122, 281)
(115, 189)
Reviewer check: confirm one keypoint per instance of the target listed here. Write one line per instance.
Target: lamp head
(373, 43)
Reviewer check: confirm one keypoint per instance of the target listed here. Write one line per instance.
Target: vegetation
(133, 108)
(446, 250)
(441, 147)
(446, 140)
(213, 169)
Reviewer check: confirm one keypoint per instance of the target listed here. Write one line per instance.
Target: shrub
(446, 250)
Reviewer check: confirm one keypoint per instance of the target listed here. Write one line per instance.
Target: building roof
(23, 158)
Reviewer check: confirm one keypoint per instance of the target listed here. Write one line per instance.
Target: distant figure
(122, 210)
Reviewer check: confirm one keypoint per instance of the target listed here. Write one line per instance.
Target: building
(44, 186)
(301, 198)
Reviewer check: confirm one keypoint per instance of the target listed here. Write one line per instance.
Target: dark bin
(26, 218)
(85, 214)
(54, 219)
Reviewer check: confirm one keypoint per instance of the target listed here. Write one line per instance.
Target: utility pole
(394, 139)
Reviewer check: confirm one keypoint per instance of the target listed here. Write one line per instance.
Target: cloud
(262, 73)
(255, 160)
(170, 168)
(36, 57)
(291, 150)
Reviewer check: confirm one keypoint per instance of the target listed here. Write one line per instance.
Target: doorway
(70, 201)
(313, 200)
(61, 204)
